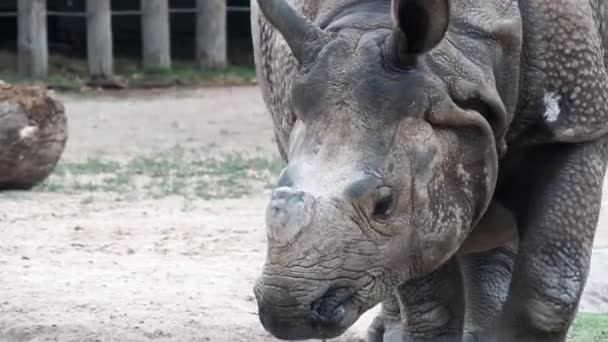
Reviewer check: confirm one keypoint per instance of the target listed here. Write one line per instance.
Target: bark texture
(33, 135)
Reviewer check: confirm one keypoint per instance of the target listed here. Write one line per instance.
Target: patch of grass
(67, 73)
(176, 172)
(63, 82)
(189, 75)
(89, 167)
(589, 328)
(15, 195)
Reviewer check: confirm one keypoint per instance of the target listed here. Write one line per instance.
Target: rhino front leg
(487, 276)
(387, 326)
(432, 307)
(558, 206)
(486, 279)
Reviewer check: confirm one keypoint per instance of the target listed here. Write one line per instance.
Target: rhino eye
(385, 203)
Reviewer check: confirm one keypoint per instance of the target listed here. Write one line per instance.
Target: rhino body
(445, 158)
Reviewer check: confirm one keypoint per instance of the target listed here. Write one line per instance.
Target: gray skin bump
(444, 158)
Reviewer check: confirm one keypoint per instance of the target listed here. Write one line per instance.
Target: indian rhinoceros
(444, 158)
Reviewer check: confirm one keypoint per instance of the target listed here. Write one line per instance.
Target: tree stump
(33, 134)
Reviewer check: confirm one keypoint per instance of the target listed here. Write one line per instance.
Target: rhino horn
(419, 26)
(304, 38)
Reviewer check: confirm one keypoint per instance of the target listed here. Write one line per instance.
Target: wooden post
(32, 38)
(211, 33)
(99, 39)
(155, 34)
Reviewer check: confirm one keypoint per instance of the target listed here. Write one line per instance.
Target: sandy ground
(102, 270)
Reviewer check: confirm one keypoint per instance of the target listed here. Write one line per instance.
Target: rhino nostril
(329, 309)
(323, 315)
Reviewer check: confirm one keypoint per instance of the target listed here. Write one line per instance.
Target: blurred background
(151, 226)
(60, 52)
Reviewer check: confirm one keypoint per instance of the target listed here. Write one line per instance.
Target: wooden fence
(32, 40)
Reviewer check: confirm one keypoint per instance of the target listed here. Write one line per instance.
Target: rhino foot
(375, 332)
(470, 337)
(381, 332)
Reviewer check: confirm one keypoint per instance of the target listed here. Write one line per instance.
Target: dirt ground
(72, 269)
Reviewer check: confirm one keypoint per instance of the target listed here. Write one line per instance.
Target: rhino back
(275, 68)
(564, 85)
(478, 26)
(560, 94)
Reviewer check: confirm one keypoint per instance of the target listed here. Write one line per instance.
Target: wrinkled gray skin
(444, 158)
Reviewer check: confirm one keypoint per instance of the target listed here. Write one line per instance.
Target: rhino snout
(288, 213)
(295, 311)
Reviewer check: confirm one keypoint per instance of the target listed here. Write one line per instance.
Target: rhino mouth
(331, 306)
(328, 316)
(335, 311)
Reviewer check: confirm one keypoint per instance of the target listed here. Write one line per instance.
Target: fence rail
(182, 10)
(241, 9)
(210, 34)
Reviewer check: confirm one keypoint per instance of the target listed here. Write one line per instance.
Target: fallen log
(33, 134)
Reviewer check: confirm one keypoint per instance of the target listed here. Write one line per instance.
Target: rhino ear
(420, 26)
(304, 38)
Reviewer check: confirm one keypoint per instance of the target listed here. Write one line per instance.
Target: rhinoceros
(444, 158)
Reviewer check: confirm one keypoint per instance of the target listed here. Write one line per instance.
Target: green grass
(589, 328)
(181, 71)
(15, 195)
(71, 74)
(177, 171)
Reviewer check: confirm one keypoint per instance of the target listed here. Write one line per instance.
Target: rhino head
(386, 173)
